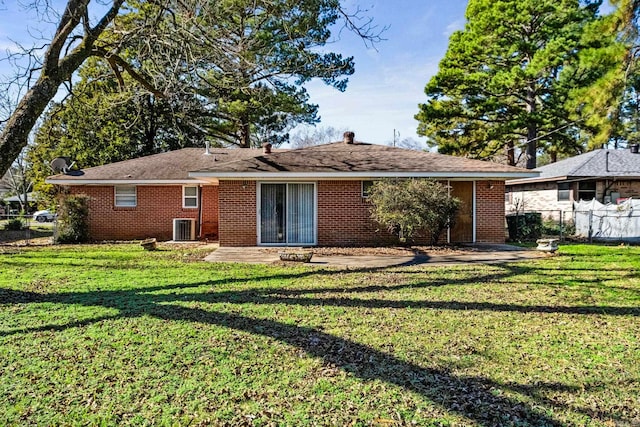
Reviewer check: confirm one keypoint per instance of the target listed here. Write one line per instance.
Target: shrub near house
(73, 219)
(412, 206)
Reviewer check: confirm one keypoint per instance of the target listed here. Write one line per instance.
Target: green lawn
(109, 335)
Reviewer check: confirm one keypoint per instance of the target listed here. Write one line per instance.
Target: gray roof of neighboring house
(336, 160)
(31, 197)
(603, 163)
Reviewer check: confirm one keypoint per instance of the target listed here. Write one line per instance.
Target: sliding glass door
(287, 214)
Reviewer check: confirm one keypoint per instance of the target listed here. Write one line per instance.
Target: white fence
(596, 221)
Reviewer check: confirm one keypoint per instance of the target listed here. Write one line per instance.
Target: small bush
(411, 206)
(551, 227)
(73, 219)
(524, 227)
(15, 224)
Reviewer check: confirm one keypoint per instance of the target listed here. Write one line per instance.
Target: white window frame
(564, 194)
(259, 213)
(185, 197)
(116, 196)
(365, 194)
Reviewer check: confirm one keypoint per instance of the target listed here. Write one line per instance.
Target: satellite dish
(61, 164)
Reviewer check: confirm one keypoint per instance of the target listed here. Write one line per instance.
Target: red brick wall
(237, 204)
(210, 212)
(490, 212)
(230, 212)
(343, 215)
(344, 218)
(153, 216)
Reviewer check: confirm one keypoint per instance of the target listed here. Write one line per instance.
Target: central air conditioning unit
(184, 229)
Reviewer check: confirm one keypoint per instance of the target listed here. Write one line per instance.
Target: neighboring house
(309, 196)
(606, 175)
(4, 190)
(4, 185)
(14, 203)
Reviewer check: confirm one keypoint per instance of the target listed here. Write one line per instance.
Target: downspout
(607, 186)
(200, 212)
(449, 194)
(474, 210)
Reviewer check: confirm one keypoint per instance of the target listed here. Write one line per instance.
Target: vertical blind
(300, 214)
(287, 213)
(272, 220)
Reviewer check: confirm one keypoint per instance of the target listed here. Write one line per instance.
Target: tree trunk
(55, 70)
(245, 135)
(532, 129)
(511, 153)
(150, 130)
(15, 134)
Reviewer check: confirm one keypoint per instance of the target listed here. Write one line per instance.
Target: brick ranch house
(302, 197)
(605, 175)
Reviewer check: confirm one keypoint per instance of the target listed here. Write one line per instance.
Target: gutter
(125, 181)
(360, 175)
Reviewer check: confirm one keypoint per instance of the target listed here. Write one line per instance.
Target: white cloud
(454, 26)
(8, 47)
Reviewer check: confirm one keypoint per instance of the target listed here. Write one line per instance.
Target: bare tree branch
(56, 69)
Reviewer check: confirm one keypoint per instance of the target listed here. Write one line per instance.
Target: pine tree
(505, 80)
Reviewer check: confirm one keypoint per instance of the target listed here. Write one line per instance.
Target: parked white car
(44, 216)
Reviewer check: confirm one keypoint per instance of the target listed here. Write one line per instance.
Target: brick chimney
(348, 137)
(266, 148)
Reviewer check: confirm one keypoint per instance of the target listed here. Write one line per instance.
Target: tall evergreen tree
(609, 107)
(505, 80)
(255, 59)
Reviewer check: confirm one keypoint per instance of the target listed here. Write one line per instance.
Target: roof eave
(360, 175)
(569, 178)
(536, 179)
(188, 181)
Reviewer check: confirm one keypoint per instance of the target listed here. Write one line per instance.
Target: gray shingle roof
(360, 158)
(169, 166)
(594, 164)
(336, 159)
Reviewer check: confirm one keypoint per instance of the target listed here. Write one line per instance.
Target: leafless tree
(307, 136)
(165, 35)
(18, 182)
(408, 143)
(54, 61)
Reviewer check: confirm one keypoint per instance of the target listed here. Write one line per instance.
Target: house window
(564, 192)
(366, 188)
(586, 190)
(125, 196)
(190, 196)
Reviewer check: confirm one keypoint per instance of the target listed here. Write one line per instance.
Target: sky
(388, 84)
(389, 80)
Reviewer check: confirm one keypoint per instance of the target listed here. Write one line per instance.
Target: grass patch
(115, 335)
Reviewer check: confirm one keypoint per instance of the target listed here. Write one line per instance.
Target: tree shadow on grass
(473, 397)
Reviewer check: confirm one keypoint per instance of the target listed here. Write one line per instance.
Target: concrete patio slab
(482, 254)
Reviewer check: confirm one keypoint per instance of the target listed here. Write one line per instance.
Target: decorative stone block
(149, 244)
(547, 245)
(304, 256)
